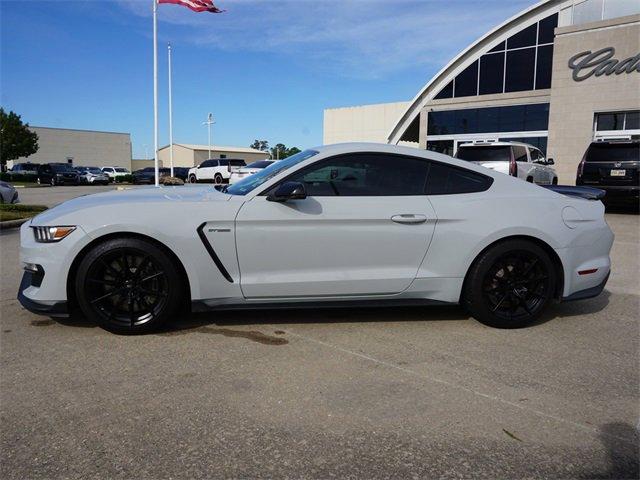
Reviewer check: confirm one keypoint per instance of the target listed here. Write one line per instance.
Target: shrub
(128, 178)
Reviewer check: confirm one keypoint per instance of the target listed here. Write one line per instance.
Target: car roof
(495, 144)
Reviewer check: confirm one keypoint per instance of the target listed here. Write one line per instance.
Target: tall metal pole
(170, 113)
(155, 90)
(208, 123)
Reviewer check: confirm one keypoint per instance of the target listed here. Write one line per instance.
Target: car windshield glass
(122, 170)
(31, 168)
(260, 164)
(62, 168)
(484, 154)
(248, 184)
(612, 152)
(93, 170)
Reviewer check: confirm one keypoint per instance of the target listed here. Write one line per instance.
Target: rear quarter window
(498, 153)
(448, 180)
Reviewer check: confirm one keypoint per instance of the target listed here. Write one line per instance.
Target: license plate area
(618, 173)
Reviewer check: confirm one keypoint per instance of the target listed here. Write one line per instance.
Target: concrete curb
(13, 223)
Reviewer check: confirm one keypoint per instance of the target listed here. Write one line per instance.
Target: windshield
(92, 169)
(62, 168)
(484, 154)
(260, 164)
(254, 181)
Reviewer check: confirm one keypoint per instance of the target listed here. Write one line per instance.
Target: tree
(281, 151)
(16, 140)
(261, 145)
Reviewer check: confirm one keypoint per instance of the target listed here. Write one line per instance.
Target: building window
(529, 58)
(617, 121)
(514, 118)
(222, 155)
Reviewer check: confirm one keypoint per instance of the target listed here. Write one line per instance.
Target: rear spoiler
(588, 193)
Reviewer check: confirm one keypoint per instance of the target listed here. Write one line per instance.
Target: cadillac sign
(601, 62)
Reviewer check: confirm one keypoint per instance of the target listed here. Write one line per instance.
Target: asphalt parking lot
(365, 393)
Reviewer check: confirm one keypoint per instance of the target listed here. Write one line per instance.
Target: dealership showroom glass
(558, 75)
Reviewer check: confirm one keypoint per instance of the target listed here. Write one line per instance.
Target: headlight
(51, 234)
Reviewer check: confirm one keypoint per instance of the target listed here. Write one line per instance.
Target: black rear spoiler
(588, 193)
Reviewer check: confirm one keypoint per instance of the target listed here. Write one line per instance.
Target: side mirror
(550, 161)
(288, 191)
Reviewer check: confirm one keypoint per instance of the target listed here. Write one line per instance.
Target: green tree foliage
(281, 151)
(261, 145)
(16, 140)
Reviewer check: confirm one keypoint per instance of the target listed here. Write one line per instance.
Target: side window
(206, 164)
(447, 180)
(536, 155)
(223, 163)
(520, 153)
(366, 174)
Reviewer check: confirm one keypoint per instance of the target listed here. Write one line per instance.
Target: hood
(132, 197)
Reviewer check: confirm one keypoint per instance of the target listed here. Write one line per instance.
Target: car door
(546, 173)
(363, 229)
(522, 161)
(206, 170)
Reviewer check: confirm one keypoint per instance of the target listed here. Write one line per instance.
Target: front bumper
(52, 309)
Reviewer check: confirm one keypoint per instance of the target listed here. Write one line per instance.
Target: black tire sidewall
(473, 299)
(217, 179)
(173, 280)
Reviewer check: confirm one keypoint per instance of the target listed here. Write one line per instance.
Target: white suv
(512, 158)
(214, 170)
(113, 172)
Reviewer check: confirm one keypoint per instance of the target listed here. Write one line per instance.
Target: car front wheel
(128, 285)
(510, 284)
(217, 179)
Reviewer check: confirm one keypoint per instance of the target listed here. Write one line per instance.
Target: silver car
(8, 193)
(92, 175)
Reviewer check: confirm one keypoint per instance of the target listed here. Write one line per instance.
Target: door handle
(409, 218)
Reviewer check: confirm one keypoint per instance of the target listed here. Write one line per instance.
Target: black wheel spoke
(151, 277)
(107, 295)
(152, 293)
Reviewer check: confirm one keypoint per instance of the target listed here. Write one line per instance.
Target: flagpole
(155, 90)
(170, 113)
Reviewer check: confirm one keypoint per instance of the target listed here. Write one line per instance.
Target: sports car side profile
(349, 224)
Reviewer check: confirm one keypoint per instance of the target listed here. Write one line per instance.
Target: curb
(13, 223)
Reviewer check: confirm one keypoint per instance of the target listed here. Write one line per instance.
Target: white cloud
(354, 38)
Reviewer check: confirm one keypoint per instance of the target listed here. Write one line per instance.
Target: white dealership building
(558, 75)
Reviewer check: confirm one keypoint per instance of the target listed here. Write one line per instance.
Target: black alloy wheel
(510, 284)
(192, 178)
(53, 181)
(128, 285)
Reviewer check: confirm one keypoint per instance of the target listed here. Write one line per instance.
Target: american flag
(196, 5)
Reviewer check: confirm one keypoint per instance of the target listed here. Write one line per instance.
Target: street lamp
(208, 123)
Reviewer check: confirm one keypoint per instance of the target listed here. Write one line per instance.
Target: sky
(266, 69)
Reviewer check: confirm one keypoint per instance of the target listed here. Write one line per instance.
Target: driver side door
(363, 229)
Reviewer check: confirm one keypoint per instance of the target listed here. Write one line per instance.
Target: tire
(192, 178)
(38, 181)
(128, 285)
(510, 284)
(554, 181)
(53, 181)
(530, 179)
(217, 179)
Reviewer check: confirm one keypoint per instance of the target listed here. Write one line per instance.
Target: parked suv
(57, 174)
(215, 170)
(513, 158)
(612, 166)
(113, 172)
(24, 168)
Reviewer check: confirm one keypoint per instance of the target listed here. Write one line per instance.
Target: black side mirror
(288, 191)
(550, 161)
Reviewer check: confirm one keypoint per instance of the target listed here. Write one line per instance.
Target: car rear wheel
(510, 284)
(192, 178)
(128, 285)
(217, 179)
(530, 179)
(554, 181)
(53, 181)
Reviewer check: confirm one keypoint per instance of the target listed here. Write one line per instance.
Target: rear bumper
(619, 192)
(587, 292)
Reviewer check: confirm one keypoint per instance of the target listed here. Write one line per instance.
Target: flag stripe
(195, 5)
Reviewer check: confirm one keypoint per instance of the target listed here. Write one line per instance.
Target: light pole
(208, 123)
(170, 112)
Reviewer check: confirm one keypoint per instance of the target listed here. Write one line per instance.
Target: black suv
(57, 174)
(612, 166)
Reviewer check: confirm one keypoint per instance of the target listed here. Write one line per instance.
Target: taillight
(513, 166)
(581, 168)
